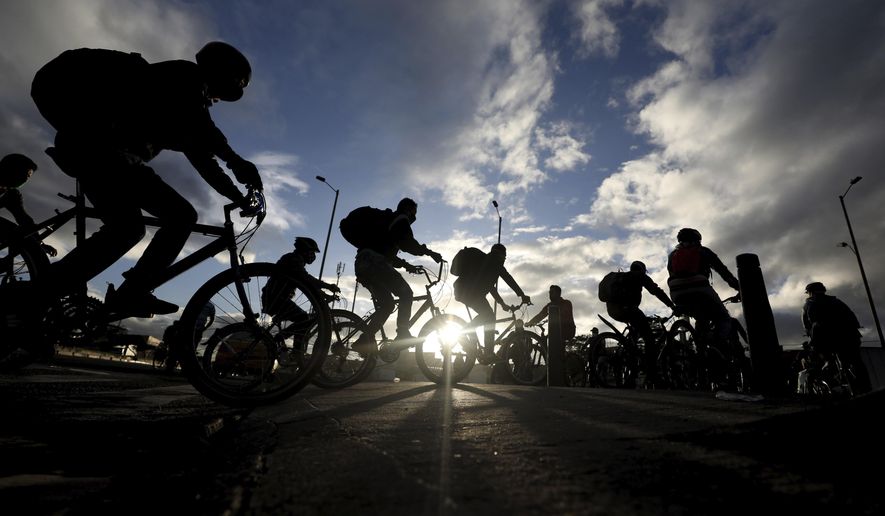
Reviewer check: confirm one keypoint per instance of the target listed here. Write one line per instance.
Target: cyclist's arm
(511, 282)
(717, 265)
(212, 173)
(540, 317)
(405, 239)
(14, 202)
(657, 291)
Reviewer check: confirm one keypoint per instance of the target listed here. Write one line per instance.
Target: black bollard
(765, 350)
(555, 349)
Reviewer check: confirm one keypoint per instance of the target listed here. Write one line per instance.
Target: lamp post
(856, 252)
(331, 220)
(495, 204)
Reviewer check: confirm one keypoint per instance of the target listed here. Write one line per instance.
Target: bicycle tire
(243, 361)
(526, 357)
(611, 360)
(678, 363)
(24, 268)
(344, 367)
(446, 352)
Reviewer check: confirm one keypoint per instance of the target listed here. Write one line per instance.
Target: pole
(863, 274)
(331, 221)
(765, 351)
(495, 204)
(555, 349)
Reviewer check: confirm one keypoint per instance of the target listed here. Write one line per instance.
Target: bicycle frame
(428, 304)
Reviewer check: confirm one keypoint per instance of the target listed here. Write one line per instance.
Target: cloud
(759, 121)
(597, 33)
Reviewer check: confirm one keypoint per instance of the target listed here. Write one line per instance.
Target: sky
(601, 127)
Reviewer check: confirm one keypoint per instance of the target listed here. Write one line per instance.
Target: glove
(48, 249)
(436, 256)
(514, 308)
(411, 269)
(526, 299)
(246, 173)
(331, 287)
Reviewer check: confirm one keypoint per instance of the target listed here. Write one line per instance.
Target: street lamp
(495, 204)
(331, 220)
(856, 252)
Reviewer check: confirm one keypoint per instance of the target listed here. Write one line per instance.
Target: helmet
(688, 235)
(306, 244)
(15, 169)
(638, 267)
(227, 70)
(499, 248)
(815, 288)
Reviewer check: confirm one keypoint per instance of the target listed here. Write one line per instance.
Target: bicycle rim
(526, 358)
(446, 351)
(678, 362)
(611, 360)
(343, 366)
(244, 357)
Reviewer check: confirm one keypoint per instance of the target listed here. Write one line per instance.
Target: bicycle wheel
(344, 367)
(526, 358)
(678, 361)
(23, 270)
(245, 357)
(446, 351)
(613, 363)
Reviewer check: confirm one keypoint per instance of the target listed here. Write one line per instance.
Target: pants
(383, 282)
(485, 315)
(705, 306)
(120, 186)
(635, 317)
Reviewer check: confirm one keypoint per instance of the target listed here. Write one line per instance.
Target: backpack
(685, 262)
(466, 260)
(613, 288)
(366, 225)
(88, 86)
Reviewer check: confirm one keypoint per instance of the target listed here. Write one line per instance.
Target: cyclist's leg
(485, 317)
(177, 217)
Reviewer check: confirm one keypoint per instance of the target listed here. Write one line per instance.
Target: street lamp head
(856, 180)
(495, 204)
(321, 178)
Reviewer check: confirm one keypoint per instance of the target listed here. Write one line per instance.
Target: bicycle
(236, 360)
(576, 370)
(824, 376)
(615, 357)
(700, 363)
(441, 349)
(521, 355)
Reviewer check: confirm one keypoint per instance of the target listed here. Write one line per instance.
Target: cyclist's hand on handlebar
(49, 250)
(526, 300)
(412, 269)
(251, 205)
(246, 173)
(331, 287)
(436, 256)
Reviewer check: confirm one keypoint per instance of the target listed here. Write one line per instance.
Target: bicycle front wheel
(679, 362)
(343, 366)
(243, 356)
(447, 352)
(526, 358)
(613, 363)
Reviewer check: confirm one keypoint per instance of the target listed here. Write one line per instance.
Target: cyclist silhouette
(15, 170)
(566, 313)
(375, 269)
(626, 310)
(476, 282)
(277, 294)
(113, 113)
(833, 328)
(690, 266)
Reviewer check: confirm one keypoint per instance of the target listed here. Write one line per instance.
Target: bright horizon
(600, 127)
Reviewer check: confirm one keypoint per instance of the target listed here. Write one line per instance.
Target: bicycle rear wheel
(244, 357)
(24, 268)
(343, 366)
(446, 351)
(613, 363)
(526, 358)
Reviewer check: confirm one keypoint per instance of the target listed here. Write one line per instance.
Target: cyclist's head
(689, 236)
(815, 288)
(638, 266)
(226, 69)
(307, 247)
(555, 292)
(15, 170)
(499, 251)
(408, 207)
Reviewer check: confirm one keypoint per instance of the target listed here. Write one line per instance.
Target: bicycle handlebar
(256, 206)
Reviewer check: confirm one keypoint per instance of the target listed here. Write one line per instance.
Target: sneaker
(365, 345)
(126, 303)
(403, 336)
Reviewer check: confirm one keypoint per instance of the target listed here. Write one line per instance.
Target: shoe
(128, 303)
(403, 336)
(365, 345)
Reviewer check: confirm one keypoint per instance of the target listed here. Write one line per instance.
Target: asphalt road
(77, 440)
